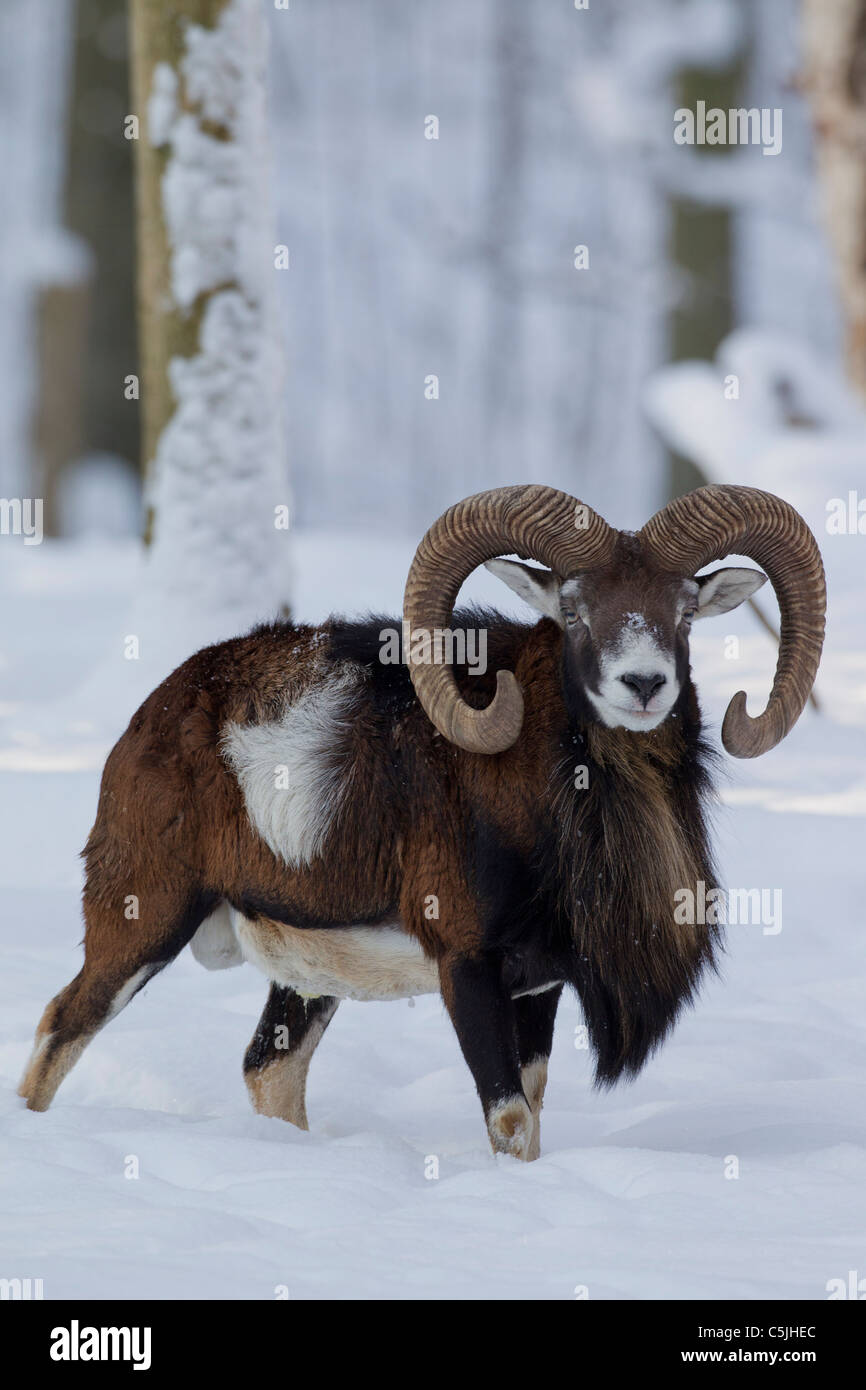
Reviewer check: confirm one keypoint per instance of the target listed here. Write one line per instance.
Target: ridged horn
(722, 520)
(534, 522)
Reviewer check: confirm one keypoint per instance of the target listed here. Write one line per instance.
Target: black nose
(644, 687)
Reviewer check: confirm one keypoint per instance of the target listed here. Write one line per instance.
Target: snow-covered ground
(634, 1196)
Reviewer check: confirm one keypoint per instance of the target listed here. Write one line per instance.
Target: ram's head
(625, 603)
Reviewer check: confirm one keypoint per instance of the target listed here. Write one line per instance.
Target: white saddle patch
(346, 962)
(287, 771)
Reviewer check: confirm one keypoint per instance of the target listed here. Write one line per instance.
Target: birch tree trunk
(834, 45)
(211, 357)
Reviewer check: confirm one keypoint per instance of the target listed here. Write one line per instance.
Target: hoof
(511, 1127)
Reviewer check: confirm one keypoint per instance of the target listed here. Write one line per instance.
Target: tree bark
(834, 46)
(62, 316)
(701, 251)
(98, 208)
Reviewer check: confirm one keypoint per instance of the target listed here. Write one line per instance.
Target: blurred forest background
(413, 257)
(232, 264)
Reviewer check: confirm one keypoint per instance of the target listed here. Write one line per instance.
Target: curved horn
(716, 521)
(535, 522)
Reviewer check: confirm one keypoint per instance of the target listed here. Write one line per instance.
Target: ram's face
(626, 635)
(627, 645)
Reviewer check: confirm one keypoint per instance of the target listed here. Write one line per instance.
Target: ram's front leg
(483, 1015)
(536, 1016)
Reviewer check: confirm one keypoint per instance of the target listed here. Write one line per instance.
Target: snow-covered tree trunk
(834, 44)
(211, 356)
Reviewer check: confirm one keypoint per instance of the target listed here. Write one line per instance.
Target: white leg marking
(539, 989)
(125, 993)
(40, 1083)
(42, 1077)
(533, 1078)
(279, 1089)
(510, 1126)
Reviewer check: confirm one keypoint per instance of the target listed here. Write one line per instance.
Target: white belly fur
(346, 962)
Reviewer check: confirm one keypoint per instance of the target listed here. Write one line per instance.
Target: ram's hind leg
(536, 1016)
(278, 1058)
(128, 938)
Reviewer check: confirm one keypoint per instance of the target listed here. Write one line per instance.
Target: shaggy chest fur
(619, 851)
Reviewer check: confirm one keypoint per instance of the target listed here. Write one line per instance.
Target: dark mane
(616, 854)
(358, 639)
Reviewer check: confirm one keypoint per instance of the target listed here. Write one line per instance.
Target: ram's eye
(689, 614)
(570, 615)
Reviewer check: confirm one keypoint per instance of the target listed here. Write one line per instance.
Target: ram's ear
(537, 587)
(726, 589)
